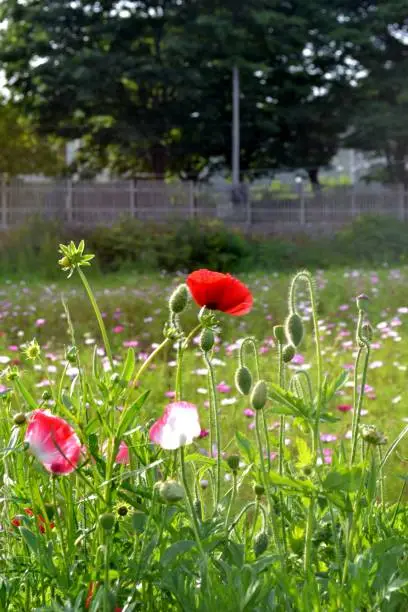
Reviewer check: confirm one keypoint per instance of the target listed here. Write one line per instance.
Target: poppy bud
(279, 334)
(206, 340)
(197, 508)
(367, 332)
(294, 329)
(233, 462)
(171, 491)
(46, 395)
(288, 353)
(20, 418)
(179, 299)
(362, 302)
(71, 354)
(372, 435)
(259, 489)
(259, 395)
(243, 380)
(107, 521)
(260, 543)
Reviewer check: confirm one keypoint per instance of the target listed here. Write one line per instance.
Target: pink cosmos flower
(40, 322)
(178, 426)
(248, 412)
(345, 407)
(204, 433)
(53, 441)
(123, 454)
(222, 387)
(298, 359)
(118, 329)
(170, 394)
(130, 343)
(327, 437)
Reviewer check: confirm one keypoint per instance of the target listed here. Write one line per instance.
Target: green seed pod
(372, 435)
(362, 302)
(260, 543)
(20, 418)
(179, 299)
(288, 353)
(279, 334)
(107, 521)
(233, 462)
(294, 329)
(259, 489)
(243, 380)
(171, 491)
(259, 395)
(197, 508)
(207, 340)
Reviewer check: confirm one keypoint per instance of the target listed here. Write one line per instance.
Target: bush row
(30, 249)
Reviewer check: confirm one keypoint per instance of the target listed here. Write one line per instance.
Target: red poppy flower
(53, 441)
(219, 291)
(16, 521)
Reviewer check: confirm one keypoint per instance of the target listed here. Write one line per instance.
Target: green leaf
(201, 459)
(305, 455)
(175, 550)
(343, 479)
(331, 389)
(289, 402)
(129, 366)
(285, 481)
(245, 445)
(30, 539)
(129, 414)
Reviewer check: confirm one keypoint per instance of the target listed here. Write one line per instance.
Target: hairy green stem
(97, 314)
(358, 405)
(216, 422)
(149, 360)
(231, 501)
(190, 504)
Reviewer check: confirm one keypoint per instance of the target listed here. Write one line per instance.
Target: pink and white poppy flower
(178, 426)
(123, 454)
(53, 441)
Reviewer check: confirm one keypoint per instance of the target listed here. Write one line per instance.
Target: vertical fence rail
(4, 194)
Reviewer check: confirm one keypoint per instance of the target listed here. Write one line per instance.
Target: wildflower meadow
(195, 441)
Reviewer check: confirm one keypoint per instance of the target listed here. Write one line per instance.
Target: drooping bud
(179, 299)
(372, 435)
(233, 462)
(294, 329)
(170, 491)
(259, 395)
(362, 302)
(107, 521)
(367, 332)
(279, 334)
(206, 340)
(20, 418)
(260, 543)
(288, 353)
(259, 489)
(243, 380)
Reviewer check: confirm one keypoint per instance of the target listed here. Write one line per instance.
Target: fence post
(191, 199)
(402, 202)
(3, 202)
(353, 202)
(68, 201)
(302, 210)
(248, 206)
(132, 205)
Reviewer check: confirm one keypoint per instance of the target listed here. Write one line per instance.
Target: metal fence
(253, 208)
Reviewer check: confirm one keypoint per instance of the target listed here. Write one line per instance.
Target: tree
(22, 150)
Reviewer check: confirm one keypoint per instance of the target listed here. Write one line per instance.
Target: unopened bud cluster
(371, 435)
(170, 491)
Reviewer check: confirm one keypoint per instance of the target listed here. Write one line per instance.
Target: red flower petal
(219, 291)
(53, 441)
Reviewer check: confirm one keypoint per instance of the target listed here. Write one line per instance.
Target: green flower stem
(232, 500)
(216, 423)
(106, 602)
(282, 418)
(97, 314)
(149, 360)
(358, 404)
(397, 506)
(266, 483)
(183, 345)
(190, 504)
(247, 343)
(306, 277)
(381, 477)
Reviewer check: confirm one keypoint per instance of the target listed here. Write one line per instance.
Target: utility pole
(235, 127)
